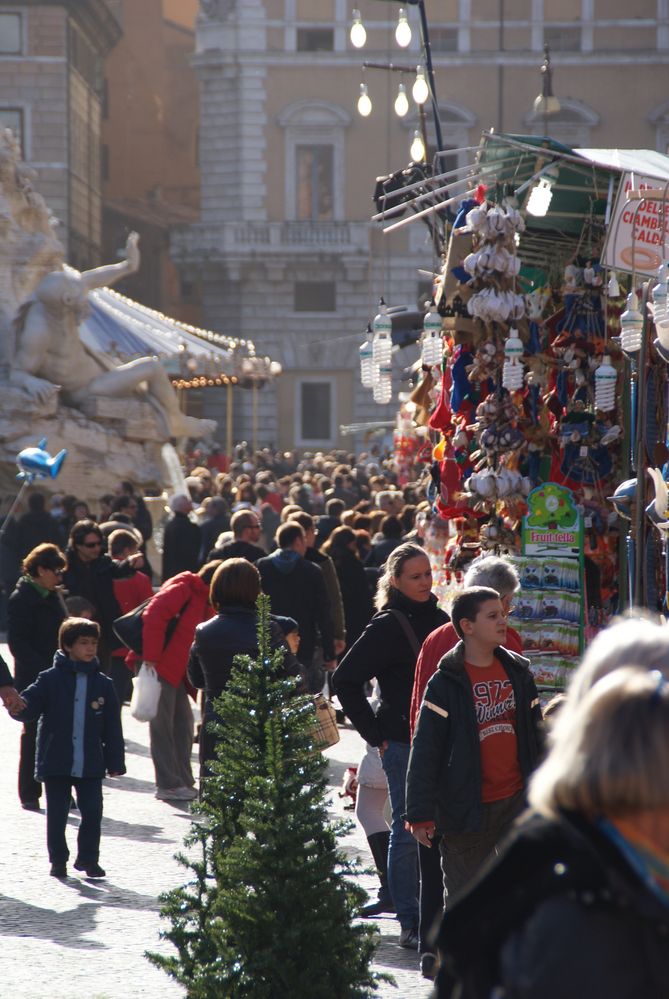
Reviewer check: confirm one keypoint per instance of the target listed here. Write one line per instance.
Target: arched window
(571, 125)
(314, 158)
(457, 124)
(659, 118)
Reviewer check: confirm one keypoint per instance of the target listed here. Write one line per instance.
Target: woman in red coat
(185, 596)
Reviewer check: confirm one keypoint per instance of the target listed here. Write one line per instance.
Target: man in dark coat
(35, 527)
(246, 528)
(181, 540)
(217, 520)
(35, 612)
(296, 588)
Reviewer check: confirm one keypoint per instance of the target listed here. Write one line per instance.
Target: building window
(315, 411)
(315, 39)
(444, 39)
(562, 38)
(10, 34)
(85, 59)
(314, 296)
(314, 183)
(572, 125)
(12, 118)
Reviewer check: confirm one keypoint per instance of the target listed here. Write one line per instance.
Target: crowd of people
(567, 897)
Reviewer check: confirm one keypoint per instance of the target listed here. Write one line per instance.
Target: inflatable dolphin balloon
(36, 462)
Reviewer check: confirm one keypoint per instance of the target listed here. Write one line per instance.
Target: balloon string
(5, 524)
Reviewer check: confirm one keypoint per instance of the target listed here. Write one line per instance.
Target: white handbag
(145, 694)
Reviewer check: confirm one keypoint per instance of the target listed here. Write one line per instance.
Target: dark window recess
(12, 118)
(104, 98)
(104, 161)
(562, 39)
(316, 411)
(314, 296)
(444, 39)
(189, 290)
(10, 34)
(85, 59)
(315, 39)
(315, 186)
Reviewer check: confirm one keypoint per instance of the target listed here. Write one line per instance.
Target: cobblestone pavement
(83, 939)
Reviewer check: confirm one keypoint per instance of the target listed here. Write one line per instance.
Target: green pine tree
(269, 911)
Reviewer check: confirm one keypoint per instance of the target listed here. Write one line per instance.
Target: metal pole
(17, 498)
(228, 421)
(640, 457)
(425, 38)
(500, 71)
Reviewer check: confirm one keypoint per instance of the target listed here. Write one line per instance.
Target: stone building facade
(51, 58)
(284, 252)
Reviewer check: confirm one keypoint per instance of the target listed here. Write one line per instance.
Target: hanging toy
(513, 373)
(605, 386)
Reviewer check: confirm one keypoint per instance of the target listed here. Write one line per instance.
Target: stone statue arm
(100, 277)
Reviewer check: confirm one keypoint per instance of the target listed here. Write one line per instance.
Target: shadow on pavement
(133, 784)
(134, 830)
(136, 748)
(391, 955)
(106, 893)
(71, 928)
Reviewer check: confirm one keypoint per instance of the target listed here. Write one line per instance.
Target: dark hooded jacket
(296, 588)
(444, 776)
(77, 709)
(34, 616)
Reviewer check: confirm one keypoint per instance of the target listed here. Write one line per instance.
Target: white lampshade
(364, 101)
(417, 150)
(403, 30)
(420, 91)
(401, 101)
(540, 198)
(358, 34)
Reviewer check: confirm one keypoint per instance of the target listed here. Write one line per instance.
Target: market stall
(544, 387)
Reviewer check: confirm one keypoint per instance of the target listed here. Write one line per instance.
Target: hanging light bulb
(403, 30)
(513, 372)
(417, 151)
(382, 357)
(631, 326)
(605, 386)
(364, 101)
(660, 291)
(613, 288)
(432, 347)
(367, 360)
(358, 34)
(540, 198)
(401, 101)
(420, 91)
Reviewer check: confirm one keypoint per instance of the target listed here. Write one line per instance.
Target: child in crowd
(479, 736)
(79, 740)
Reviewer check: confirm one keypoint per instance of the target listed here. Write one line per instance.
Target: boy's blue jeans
(89, 800)
(403, 851)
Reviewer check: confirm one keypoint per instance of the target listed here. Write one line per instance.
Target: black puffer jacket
(559, 914)
(33, 620)
(444, 776)
(233, 632)
(383, 651)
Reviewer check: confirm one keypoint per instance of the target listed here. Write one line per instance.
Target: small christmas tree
(269, 912)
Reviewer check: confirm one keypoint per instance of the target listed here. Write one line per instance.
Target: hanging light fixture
(613, 288)
(546, 103)
(540, 198)
(420, 90)
(401, 101)
(382, 344)
(605, 386)
(364, 101)
(631, 326)
(358, 34)
(403, 30)
(367, 359)
(431, 348)
(417, 151)
(513, 373)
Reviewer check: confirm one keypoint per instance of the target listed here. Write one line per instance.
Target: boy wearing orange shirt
(478, 738)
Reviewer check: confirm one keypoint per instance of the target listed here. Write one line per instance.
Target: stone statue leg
(127, 378)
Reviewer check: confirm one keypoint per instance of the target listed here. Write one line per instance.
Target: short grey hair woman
(578, 902)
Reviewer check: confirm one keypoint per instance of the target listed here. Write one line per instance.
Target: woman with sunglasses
(35, 612)
(90, 574)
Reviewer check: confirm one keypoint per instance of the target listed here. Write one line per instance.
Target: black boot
(378, 844)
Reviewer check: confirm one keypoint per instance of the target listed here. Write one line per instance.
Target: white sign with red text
(638, 232)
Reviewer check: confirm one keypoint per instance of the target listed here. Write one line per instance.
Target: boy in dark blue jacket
(79, 740)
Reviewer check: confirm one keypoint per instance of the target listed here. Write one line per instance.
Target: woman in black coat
(90, 574)
(235, 588)
(388, 649)
(342, 547)
(577, 904)
(35, 612)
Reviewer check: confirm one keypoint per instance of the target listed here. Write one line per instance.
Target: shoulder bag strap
(405, 625)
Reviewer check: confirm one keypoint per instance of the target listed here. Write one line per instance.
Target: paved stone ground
(83, 939)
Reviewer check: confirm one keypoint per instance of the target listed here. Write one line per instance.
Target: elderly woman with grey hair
(181, 539)
(577, 903)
